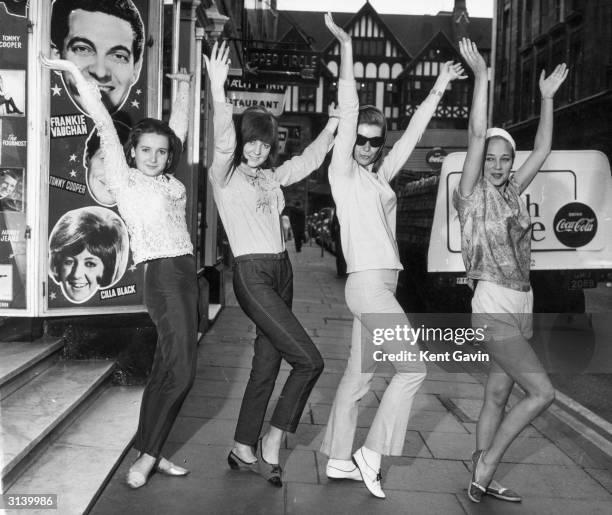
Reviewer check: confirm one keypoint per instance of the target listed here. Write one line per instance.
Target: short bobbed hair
(256, 123)
(98, 230)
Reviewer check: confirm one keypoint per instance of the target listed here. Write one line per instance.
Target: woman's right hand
(338, 33)
(62, 65)
(469, 52)
(217, 66)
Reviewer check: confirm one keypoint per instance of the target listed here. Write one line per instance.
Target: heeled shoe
(235, 463)
(170, 469)
(271, 472)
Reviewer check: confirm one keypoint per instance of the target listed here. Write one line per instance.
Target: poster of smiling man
(106, 40)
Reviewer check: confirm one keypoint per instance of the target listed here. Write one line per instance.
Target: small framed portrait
(12, 189)
(12, 92)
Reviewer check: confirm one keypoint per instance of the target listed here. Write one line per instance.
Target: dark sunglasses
(377, 141)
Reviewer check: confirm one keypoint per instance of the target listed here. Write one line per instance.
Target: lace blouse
(153, 208)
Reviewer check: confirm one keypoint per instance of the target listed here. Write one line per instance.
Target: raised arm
(477, 128)
(402, 149)
(115, 166)
(299, 167)
(223, 126)
(543, 139)
(348, 105)
(179, 115)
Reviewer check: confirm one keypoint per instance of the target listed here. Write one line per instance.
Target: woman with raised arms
(496, 246)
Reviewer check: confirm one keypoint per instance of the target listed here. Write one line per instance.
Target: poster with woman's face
(106, 40)
(88, 251)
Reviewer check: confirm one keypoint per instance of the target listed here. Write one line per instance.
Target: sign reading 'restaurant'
(283, 65)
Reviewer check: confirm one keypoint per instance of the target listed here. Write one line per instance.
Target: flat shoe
(135, 479)
(371, 478)
(236, 463)
(336, 473)
(271, 472)
(475, 490)
(170, 469)
(505, 494)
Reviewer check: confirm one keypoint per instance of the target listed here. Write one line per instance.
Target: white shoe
(371, 477)
(335, 472)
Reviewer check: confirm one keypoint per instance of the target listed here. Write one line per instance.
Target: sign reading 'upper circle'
(575, 224)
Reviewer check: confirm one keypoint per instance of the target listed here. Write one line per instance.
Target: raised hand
(452, 71)
(60, 64)
(217, 66)
(549, 85)
(181, 76)
(338, 33)
(469, 52)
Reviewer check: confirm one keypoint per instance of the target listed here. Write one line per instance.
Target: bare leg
(497, 390)
(271, 443)
(519, 361)
(244, 452)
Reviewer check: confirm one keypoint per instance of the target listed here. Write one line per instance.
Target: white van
(570, 203)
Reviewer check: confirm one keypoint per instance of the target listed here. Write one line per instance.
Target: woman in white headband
(496, 246)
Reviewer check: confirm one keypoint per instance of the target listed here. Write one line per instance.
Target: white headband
(501, 133)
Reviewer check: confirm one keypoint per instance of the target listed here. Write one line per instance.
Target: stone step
(32, 415)
(79, 463)
(20, 362)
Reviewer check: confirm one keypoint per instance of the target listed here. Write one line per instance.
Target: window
(543, 16)
(575, 67)
(307, 99)
(369, 46)
(558, 10)
(526, 97)
(392, 95)
(528, 20)
(367, 93)
(505, 41)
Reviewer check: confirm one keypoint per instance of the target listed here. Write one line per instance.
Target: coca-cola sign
(575, 224)
(435, 158)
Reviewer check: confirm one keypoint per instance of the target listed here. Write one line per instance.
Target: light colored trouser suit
(372, 291)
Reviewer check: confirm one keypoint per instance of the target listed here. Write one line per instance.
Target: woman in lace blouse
(152, 203)
(247, 191)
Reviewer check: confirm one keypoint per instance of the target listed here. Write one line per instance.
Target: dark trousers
(9, 102)
(298, 236)
(263, 284)
(171, 297)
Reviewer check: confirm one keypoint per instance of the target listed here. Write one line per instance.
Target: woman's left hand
(182, 75)
(549, 85)
(452, 71)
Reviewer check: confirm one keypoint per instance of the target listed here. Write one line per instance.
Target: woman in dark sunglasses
(366, 207)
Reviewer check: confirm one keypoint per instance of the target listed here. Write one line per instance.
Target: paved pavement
(556, 470)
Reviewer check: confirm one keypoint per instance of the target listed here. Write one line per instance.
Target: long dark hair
(256, 123)
(153, 126)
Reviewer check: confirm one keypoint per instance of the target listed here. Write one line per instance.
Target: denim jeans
(263, 284)
(372, 291)
(171, 297)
